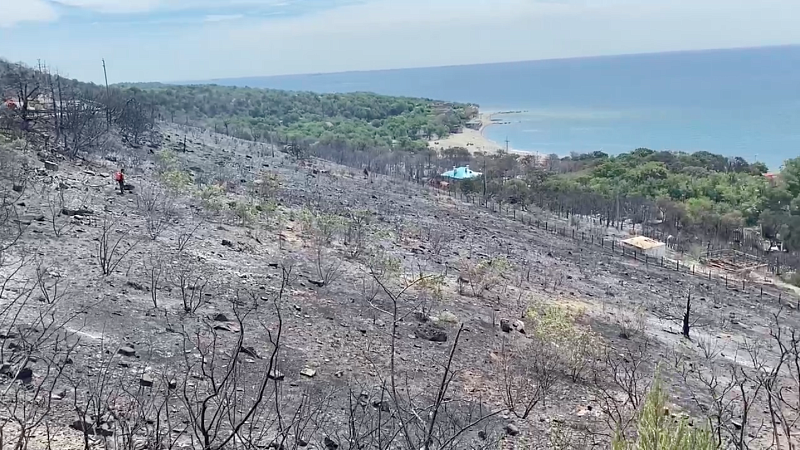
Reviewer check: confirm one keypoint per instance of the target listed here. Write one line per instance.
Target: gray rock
(219, 317)
(330, 444)
(146, 380)
(127, 351)
(25, 374)
(308, 372)
(76, 212)
(512, 430)
(51, 166)
(505, 325)
(448, 317)
(431, 333)
(276, 375)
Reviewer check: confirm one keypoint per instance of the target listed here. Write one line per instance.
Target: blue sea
(741, 102)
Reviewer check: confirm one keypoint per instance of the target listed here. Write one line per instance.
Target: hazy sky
(169, 40)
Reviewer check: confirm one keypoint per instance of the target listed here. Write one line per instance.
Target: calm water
(743, 102)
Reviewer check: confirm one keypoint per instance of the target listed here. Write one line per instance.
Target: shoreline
(476, 141)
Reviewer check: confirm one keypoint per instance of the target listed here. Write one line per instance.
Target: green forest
(358, 120)
(701, 193)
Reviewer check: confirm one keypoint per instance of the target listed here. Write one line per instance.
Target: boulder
(51, 166)
(147, 380)
(127, 351)
(431, 333)
(512, 430)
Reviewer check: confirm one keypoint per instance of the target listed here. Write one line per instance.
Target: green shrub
(657, 431)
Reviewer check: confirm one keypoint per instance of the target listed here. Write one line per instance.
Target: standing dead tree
(154, 267)
(158, 207)
(227, 404)
(188, 278)
(110, 250)
(530, 371)
(135, 120)
(420, 422)
(82, 122)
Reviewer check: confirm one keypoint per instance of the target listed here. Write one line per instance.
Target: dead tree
(82, 122)
(135, 120)
(110, 250)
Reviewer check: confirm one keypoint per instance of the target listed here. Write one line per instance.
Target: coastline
(474, 140)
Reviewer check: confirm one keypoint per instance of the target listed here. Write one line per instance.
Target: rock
(519, 326)
(512, 430)
(448, 317)
(317, 283)
(431, 333)
(76, 212)
(382, 406)
(276, 375)
(505, 325)
(127, 351)
(25, 374)
(51, 166)
(88, 426)
(308, 372)
(250, 351)
(146, 380)
(58, 395)
(18, 188)
(219, 317)
(227, 243)
(172, 383)
(330, 444)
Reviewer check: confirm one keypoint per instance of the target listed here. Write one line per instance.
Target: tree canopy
(358, 119)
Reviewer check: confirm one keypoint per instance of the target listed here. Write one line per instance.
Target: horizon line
(446, 66)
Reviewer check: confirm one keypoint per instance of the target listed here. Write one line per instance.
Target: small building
(474, 124)
(461, 173)
(646, 246)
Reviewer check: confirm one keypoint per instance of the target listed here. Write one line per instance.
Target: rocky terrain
(236, 297)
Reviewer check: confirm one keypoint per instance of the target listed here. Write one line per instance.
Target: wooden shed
(645, 246)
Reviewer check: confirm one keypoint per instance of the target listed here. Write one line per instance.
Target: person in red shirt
(119, 177)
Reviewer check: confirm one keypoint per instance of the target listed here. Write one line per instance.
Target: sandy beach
(474, 140)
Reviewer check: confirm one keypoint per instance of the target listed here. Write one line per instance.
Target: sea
(734, 102)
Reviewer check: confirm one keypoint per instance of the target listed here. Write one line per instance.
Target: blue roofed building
(461, 173)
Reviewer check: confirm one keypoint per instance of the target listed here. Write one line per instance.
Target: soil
(335, 338)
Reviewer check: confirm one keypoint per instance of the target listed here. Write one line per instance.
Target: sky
(179, 40)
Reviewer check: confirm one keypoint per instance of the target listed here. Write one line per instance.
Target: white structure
(646, 246)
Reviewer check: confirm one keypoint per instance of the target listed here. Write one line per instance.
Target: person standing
(119, 177)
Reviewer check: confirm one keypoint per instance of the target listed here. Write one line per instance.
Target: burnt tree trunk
(686, 316)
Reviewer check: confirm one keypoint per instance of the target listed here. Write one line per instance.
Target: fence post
(743, 288)
(761, 296)
(726, 281)
(612, 247)
(678, 266)
(573, 233)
